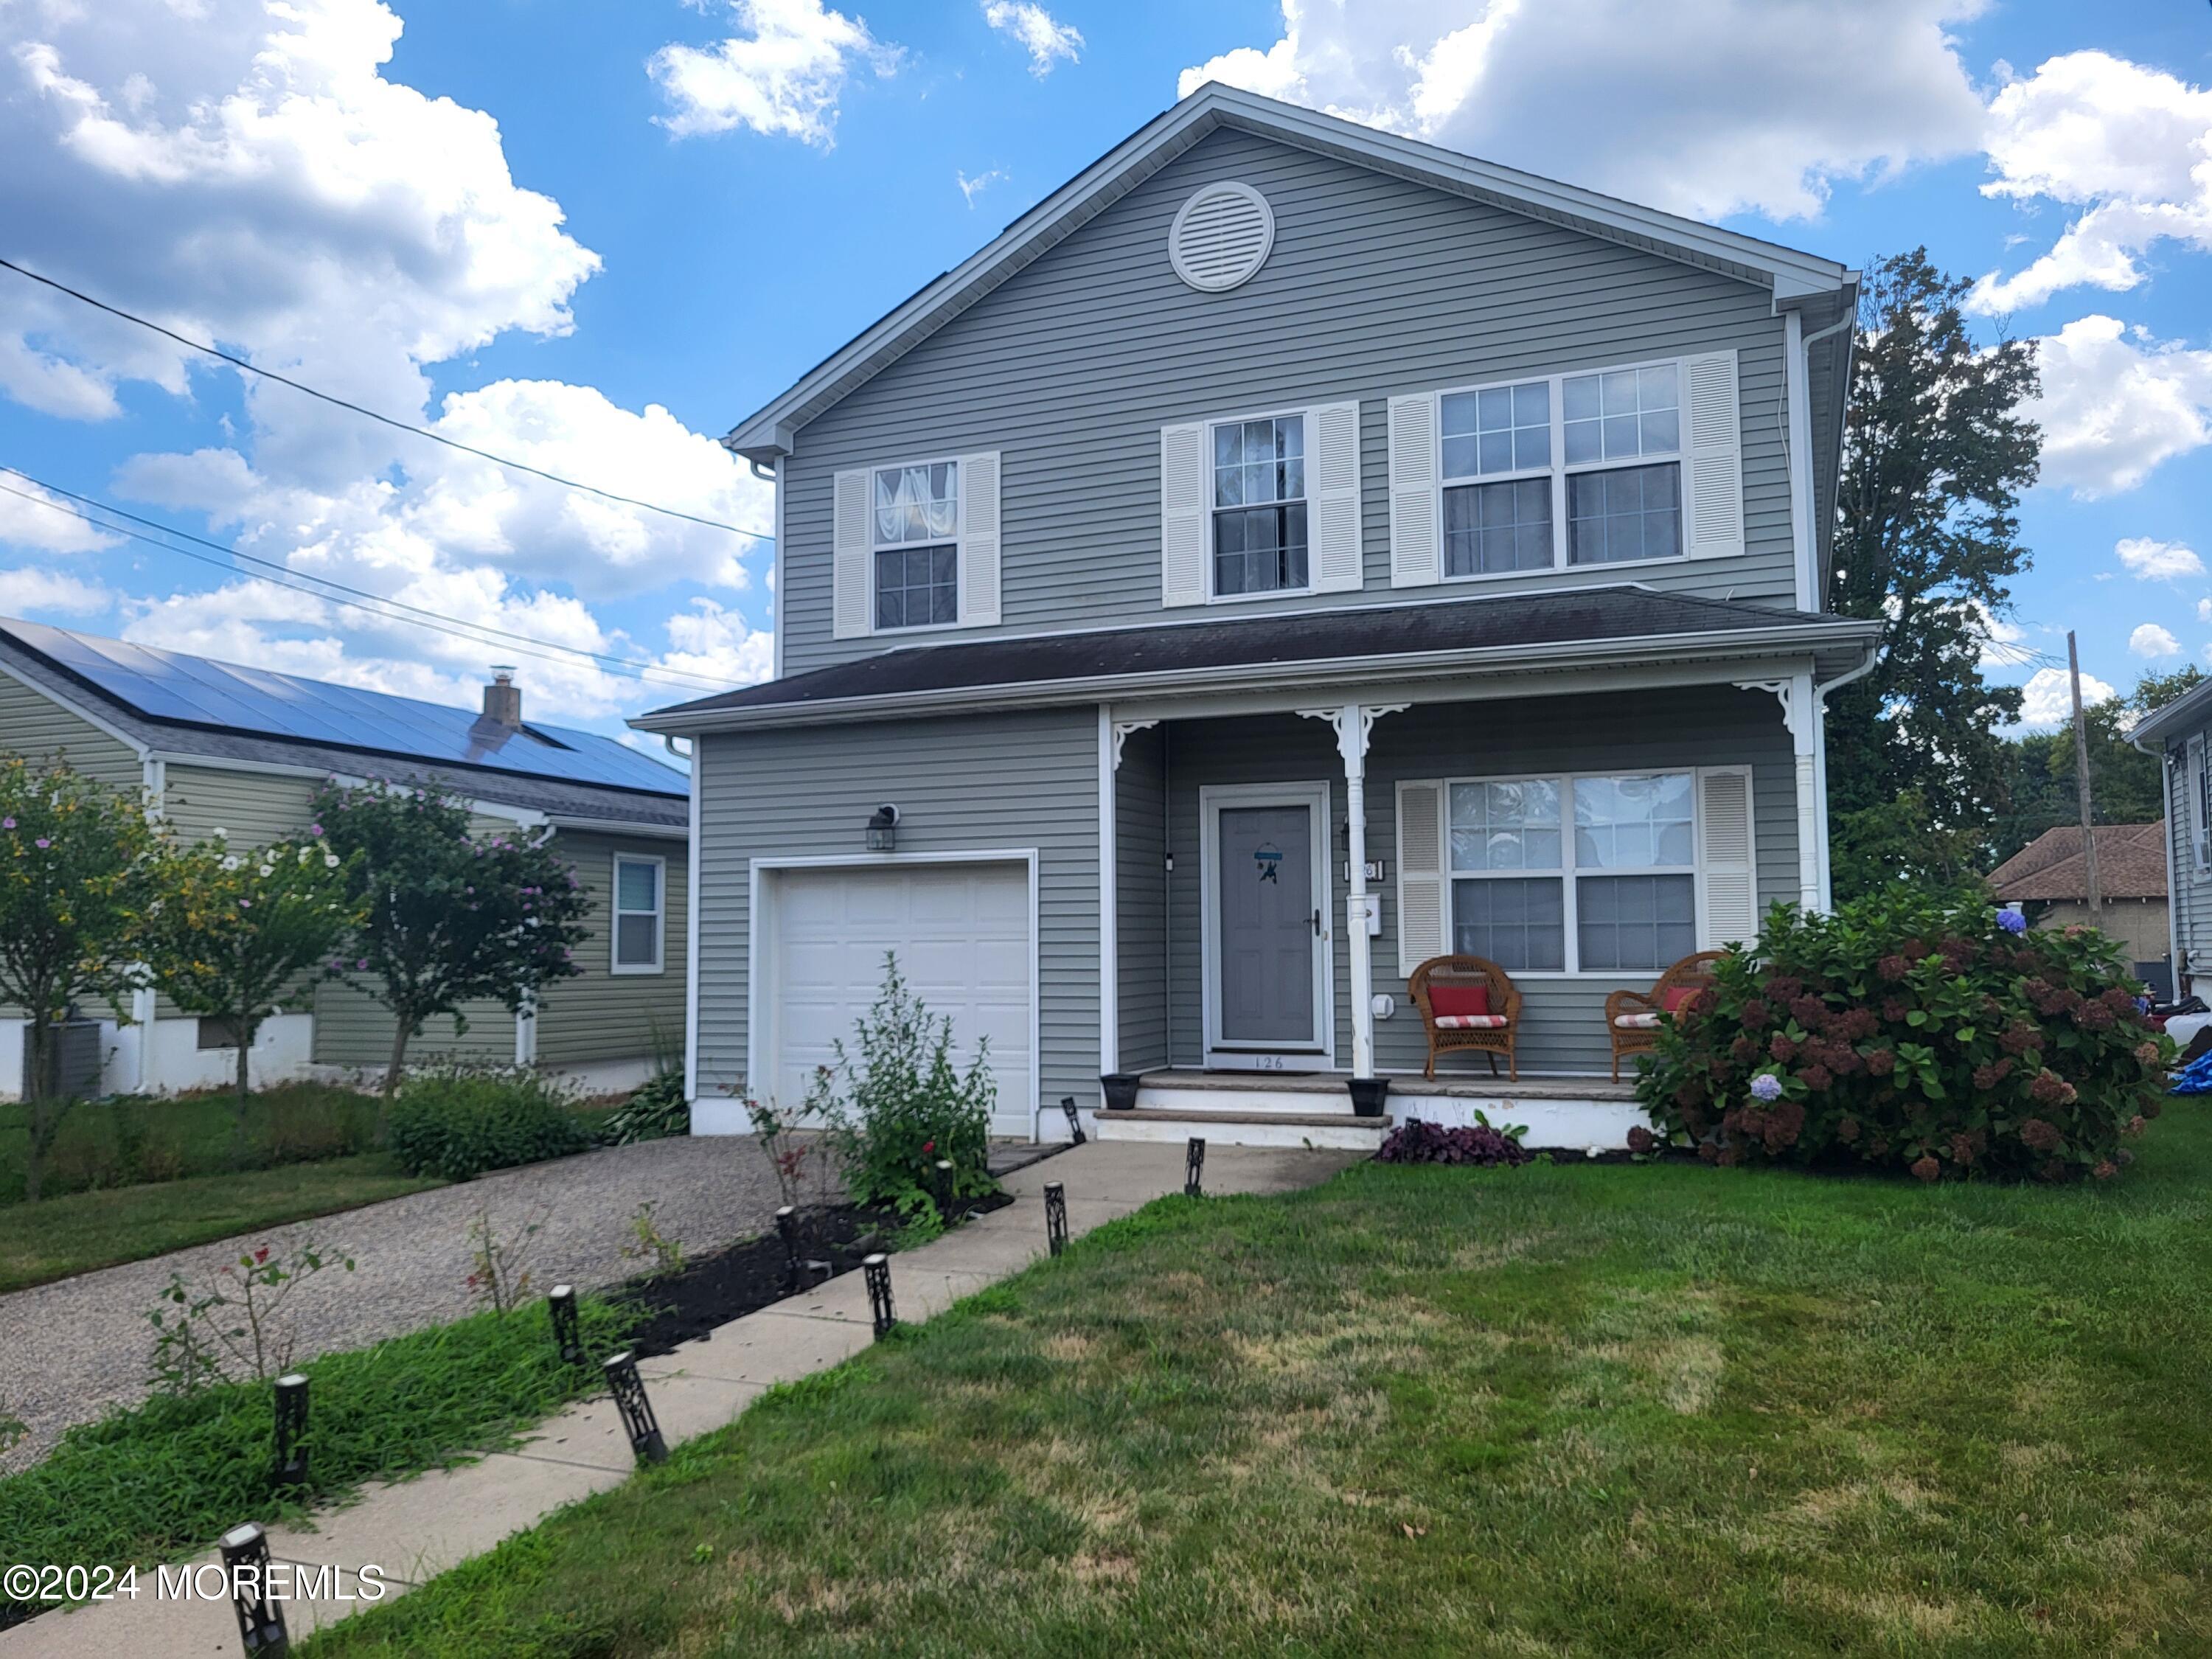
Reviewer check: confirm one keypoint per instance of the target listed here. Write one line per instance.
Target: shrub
(902, 1104)
(656, 1111)
(1416, 1141)
(1913, 1032)
(456, 1124)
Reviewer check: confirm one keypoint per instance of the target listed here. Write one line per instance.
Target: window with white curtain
(1258, 506)
(916, 513)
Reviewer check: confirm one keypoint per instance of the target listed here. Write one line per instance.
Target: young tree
(447, 917)
(77, 870)
(1936, 455)
(232, 934)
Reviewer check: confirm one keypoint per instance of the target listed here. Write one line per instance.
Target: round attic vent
(1221, 236)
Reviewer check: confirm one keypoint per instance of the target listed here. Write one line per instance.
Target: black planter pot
(1367, 1093)
(1121, 1091)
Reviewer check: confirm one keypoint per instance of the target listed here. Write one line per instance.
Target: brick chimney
(503, 698)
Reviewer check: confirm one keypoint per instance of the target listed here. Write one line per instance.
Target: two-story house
(1287, 553)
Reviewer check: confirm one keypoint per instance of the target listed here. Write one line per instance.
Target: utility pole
(2082, 786)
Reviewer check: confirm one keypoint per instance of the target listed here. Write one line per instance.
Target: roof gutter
(1304, 672)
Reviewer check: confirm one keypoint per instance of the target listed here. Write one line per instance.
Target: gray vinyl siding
(1141, 900)
(2191, 898)
(1376, 286)
(1563, 1029)
(41, 730)
(988, 782)
(603, 1015)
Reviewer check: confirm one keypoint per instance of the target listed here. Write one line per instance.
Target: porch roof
(1520, 632)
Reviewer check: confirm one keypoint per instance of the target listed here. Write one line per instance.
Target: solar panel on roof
(168, 685)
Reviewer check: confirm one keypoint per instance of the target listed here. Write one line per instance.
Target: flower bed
(1915, 1033)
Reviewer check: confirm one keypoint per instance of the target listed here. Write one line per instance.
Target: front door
(1269, 911)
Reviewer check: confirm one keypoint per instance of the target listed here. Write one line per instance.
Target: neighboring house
(2178, 732)
(219, 746)
(1286, 553)
(2049, 880)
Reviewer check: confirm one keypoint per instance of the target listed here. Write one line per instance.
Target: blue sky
(607, 233)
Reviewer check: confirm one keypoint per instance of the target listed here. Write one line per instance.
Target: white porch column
(1110, 864)
(1353, 724)
(1800, 713)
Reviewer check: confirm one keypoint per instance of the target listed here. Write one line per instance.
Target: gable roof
(1824, 289)
(2130, 864)
(178, 706)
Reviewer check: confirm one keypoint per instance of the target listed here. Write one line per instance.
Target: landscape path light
(638, 1421)
(941, 1189)
(568, 1329)
(1194, 1168)
(1074, 1119)
(876, 1270)
(291, 1467)
(246, 1570)
(1056, 1217)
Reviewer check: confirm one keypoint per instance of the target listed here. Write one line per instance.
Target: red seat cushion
(1675, 998)
(1459, 999)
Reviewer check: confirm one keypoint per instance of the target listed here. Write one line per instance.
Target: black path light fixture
(246, 1572)
(638, 1421)
(786, 1229)
(290, 1472)
(1056, 1217)
(1074, 1119)
(1194, 1168)
(568, 1329)
(876, 1270)
(941, 1189)
(883, 828)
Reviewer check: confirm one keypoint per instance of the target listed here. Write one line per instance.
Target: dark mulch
(746, 1277)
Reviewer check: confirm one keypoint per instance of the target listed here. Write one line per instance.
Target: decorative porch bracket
(1802, 715)
(1353, 724)
(1122, 730)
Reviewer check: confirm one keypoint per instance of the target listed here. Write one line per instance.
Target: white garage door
(961, 933)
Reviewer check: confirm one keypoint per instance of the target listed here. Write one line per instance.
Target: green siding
(351, 1029)
(251, 808)
(603, 1015)
(33, 726)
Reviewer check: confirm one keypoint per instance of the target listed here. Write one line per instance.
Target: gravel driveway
(77, 1347)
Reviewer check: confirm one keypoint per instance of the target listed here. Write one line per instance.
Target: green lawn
(1603, 1411)
(81, 1230)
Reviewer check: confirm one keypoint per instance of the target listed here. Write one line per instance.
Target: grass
(172, 1475)
(58, 1236)
(1601, 1410)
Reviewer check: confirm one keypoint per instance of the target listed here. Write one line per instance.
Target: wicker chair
(1489, 1035)
(1631, 1017)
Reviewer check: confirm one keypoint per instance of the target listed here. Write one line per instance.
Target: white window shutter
(1420, 873)
(852, 603)
(1727, 875)
(979, 540)
(1414, 509)
(1183, 514)
(1712, 461)
(1333, 489)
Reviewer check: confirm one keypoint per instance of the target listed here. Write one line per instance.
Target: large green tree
(2123, 781)
(1937, 452)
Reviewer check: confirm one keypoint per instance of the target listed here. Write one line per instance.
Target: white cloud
(2048, 699)
(2155, 560)
(1046, 39)
(2204, 610)
(1704, 106)
(31, 517)
(2115, 403)
(2130, 146)
(971, 188)
(718, 645)
(2151, 640)
(27, 592)
(783, 76)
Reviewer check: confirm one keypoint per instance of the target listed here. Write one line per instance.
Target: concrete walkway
(414, 1530)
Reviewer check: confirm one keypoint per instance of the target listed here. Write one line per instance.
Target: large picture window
(1260, 506)
(916, 512)
(1575, 874)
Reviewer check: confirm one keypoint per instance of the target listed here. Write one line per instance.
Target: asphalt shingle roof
(2130, 864)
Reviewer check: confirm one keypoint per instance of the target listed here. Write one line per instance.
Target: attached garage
(963, 930)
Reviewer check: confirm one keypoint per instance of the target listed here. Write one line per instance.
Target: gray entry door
(1267, 931)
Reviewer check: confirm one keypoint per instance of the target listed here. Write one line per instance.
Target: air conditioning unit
(72, 1063)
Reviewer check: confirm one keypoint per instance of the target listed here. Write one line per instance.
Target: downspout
(1820, 711)
(2172, 893)
(1801, 399)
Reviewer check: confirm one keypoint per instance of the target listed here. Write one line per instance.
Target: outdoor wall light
(883, 828)
(291, 1469)
(876, 1270)
(1056, 1217)
(1194, 1168)
(246, 1568)
(567, 1331)
(638, 1421)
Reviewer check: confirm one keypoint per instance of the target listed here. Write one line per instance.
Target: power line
(398, 425)
(416, 616)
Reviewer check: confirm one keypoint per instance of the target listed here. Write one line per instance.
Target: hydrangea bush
(1918, 1032)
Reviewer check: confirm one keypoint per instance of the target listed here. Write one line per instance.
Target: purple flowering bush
(1913, 1032)
(1416, 1141)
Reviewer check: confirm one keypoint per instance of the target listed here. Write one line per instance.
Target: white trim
(659, 913)
(68, 705)
(1221, 187)
(525, 1031)
(1109, 918)
(1804, 540)
(1315, 797)
(760, 1059)
(616, 827)
(692, 905)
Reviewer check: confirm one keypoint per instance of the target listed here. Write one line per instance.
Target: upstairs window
(1501, 433)
(1260, 506)
(916, 547)
(1619, 512)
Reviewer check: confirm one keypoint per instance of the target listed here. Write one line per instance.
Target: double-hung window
(1575, 874)
(1258, 506)
(1503, 437)
(640, 911)
(1623, 432)
(916, 528)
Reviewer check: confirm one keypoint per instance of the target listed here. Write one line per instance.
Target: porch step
(1337, 1130)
